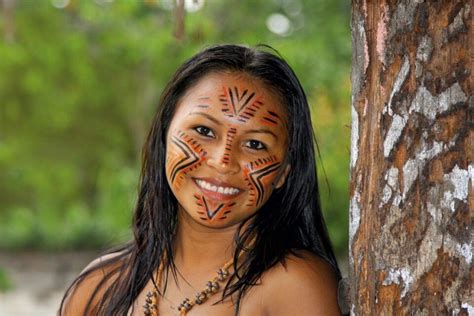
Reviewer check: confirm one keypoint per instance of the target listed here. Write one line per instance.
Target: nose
(229, 166)
(223, 158)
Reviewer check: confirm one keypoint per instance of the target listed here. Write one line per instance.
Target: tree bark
(412, 170)
(179, 13)
(8, 8)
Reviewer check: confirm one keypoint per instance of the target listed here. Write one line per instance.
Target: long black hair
(290, 220)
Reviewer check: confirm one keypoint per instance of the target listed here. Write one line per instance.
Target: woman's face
(225, 149)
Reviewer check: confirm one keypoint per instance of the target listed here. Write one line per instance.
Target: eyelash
(204, 131)
(260, 145)
(251, 144)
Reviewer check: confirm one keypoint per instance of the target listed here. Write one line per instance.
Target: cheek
(184, 154)
(259, 175)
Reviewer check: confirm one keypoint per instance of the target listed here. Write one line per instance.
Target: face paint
(203, 105)
(222, 160)
(228, 144)
(188, 155)
(259, 175)
(209, 211)
(271, 119)
(240, 105)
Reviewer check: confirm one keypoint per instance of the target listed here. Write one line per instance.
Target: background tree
(412, 171)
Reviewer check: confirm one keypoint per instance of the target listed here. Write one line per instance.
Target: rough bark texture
(412, 170)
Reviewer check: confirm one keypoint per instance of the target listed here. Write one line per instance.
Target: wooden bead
(208, 287)
(185, 305)
(150, 308)
(200, 297)
(222, 274)
(215, 286)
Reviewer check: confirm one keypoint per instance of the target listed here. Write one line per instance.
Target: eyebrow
(258, 130)
(209, 117)
(261, 130)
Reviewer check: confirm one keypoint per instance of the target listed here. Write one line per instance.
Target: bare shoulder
(304, 285)
(79, 295)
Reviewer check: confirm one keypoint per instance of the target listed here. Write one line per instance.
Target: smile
(214, 188)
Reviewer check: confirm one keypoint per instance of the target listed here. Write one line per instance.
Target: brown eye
(255, 144)
(204, 131)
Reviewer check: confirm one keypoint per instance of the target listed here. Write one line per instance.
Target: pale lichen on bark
(402, 276)
(359, 53)
(457, 187)
(430, 105)
(394, 132)
(354, 137)
(391, 178)
(354, 214)
(358, 74)
(458, 24)
(466, 306)
(450, 192)
(401, 77)
(413, 166)
(423, 53)
(401, 20)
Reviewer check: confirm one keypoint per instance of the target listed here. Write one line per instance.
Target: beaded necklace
(150, 308)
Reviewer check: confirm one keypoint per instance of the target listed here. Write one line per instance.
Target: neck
(201, 247)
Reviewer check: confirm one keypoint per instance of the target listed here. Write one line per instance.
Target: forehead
(234, 97)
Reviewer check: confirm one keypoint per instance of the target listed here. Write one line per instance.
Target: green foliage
(79, 87)
(5, 283)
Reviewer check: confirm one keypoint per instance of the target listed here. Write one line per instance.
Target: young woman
(228, 219)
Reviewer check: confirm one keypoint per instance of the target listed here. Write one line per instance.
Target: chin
(217, 224)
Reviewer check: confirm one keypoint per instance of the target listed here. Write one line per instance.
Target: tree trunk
(8, 7)
(412, 170)
(179, 12)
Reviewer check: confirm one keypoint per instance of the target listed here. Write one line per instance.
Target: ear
(282, 177)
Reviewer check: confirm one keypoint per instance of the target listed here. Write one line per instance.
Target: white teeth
(222, 190)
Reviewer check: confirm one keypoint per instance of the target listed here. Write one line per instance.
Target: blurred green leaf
(5, 282)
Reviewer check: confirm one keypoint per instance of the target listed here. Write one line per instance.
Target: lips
(217, 190)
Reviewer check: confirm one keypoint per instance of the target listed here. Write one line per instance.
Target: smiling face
(226, 146)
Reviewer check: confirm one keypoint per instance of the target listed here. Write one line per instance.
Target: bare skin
(77, 300)
(306, 286)
(228, 131)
